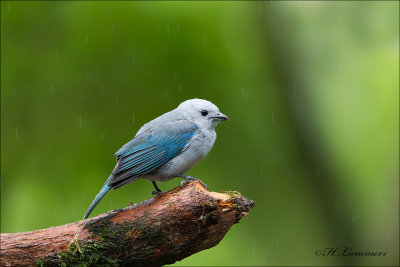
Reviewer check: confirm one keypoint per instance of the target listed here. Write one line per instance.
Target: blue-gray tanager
(166, 147)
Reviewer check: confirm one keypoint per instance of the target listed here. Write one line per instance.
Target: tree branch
(162, 230)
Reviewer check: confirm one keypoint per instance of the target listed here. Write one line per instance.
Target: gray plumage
(165, 147)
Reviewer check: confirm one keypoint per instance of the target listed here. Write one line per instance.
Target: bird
(166, 147)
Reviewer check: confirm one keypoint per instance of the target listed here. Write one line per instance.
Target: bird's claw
(191, 178)
(156, 193)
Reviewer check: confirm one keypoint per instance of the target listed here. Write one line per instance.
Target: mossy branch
(167, 228)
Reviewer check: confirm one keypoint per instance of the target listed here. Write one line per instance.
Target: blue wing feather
(150, 150)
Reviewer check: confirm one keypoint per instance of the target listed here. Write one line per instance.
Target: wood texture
(159, 231)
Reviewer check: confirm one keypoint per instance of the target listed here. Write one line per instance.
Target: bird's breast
(198, 147)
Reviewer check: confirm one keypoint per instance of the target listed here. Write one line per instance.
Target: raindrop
(52, 88)
(87, 38)
(16, 134)
(178, 29)
(102, 90)
(272, 116)
(80, 121)
(260, 7)
(9, 7)
(102, 135)
(175, 76)
(290, 173)
(133, 60)
(166, 92)
(112, 27)
(261, 169)
(116, 99)
(243, 93)
(353, 219)
(179, 88)
(277, 241)
(133, 117)
(56, 54)
(23, 51)
(168, 29)
(254, 249)
(204, 39)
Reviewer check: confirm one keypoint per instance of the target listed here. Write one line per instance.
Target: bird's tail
(98, 197)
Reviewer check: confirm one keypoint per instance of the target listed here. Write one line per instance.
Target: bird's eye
(204, 112)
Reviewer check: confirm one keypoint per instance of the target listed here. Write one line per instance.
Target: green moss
(233, 194)
(80, 253)
(209, 206)
(210, 218)
(149, 230)
(114, 244)
(111, 239)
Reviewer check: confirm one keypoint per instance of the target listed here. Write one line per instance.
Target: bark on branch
(162, 230)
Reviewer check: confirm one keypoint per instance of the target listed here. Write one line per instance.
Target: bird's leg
(190, 178)
(158, 190)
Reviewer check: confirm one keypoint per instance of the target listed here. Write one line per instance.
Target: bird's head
(201, 112)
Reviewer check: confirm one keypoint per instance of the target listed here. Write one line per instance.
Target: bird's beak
(220, 117)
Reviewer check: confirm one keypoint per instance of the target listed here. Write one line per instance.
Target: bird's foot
(187, 179)
(158, 190)
(156, 193)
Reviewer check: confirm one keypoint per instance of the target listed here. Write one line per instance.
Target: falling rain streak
(16, 134)
(52, 88)
(168, 29)
(80, 121)
(179, 88)
(261, 170)
(260, 7)
(272, 116)
(116, 99)
(87, 38)
(290, 174)
(133, 117)
(178, 31)
(204, 39)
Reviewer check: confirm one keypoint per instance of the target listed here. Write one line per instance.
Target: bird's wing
(150, 150)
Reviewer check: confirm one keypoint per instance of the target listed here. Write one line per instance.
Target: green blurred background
(311, 90)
